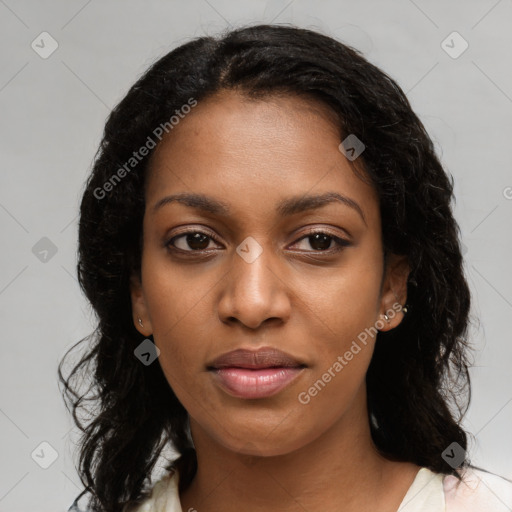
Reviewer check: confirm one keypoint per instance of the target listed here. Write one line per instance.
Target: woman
(268, 242)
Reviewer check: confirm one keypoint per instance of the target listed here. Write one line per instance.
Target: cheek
(342, 355)
(345, 299)
(344, 312)
(182, 358)
(177, 306)
(176, 297)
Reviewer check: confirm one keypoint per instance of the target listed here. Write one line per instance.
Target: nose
(254, 293)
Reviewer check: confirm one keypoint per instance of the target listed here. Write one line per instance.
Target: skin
(274, 453)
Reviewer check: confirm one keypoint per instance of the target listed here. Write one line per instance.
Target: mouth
(255, 374)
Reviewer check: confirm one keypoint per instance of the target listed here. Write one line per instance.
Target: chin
(260, 443)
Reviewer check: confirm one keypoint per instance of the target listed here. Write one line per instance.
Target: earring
(386, 317)
(140, 322)
(404, 309)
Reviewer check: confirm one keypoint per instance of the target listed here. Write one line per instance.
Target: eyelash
(341, 242)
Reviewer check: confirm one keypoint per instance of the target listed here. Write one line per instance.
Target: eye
(320, 241)
(190, 241)
(198, 241)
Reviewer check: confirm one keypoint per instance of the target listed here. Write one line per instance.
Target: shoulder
(478, 491)
(164, 496)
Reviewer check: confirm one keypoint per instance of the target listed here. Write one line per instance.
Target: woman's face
(265, 176)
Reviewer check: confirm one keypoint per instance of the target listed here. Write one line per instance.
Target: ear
(139, 308)
(394, 291)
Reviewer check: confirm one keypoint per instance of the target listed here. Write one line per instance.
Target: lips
(265, 357)
(254, 374)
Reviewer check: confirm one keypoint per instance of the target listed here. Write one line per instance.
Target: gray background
(52, 115)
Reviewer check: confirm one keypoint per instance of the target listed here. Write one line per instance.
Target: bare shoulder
(479, 490)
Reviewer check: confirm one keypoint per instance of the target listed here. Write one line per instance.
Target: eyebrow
(286, 207)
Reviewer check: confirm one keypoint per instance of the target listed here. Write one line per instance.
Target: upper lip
(265, 357)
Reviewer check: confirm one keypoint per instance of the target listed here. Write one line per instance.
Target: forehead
(249, 152)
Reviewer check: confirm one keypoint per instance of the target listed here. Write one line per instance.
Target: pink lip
(264, 357)
(262, 383)
(261, 373)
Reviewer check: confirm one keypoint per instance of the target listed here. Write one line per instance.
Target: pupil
(197, 241)
(320, 242)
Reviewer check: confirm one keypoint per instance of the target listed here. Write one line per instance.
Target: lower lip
(247, 383)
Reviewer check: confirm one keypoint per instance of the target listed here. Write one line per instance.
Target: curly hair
(418, 386)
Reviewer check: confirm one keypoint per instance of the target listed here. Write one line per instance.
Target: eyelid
(192, 229)
(187, 231)
(339, 240)
(324, 231)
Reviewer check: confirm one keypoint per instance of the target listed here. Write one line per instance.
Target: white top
(430, 492)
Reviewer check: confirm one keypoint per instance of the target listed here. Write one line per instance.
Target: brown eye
(320, 241)
(190, 241)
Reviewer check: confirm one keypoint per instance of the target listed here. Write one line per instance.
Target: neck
(342, 465)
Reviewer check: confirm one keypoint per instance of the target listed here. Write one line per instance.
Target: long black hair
(417, 382)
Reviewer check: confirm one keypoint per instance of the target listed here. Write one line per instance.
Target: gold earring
(386, 317)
